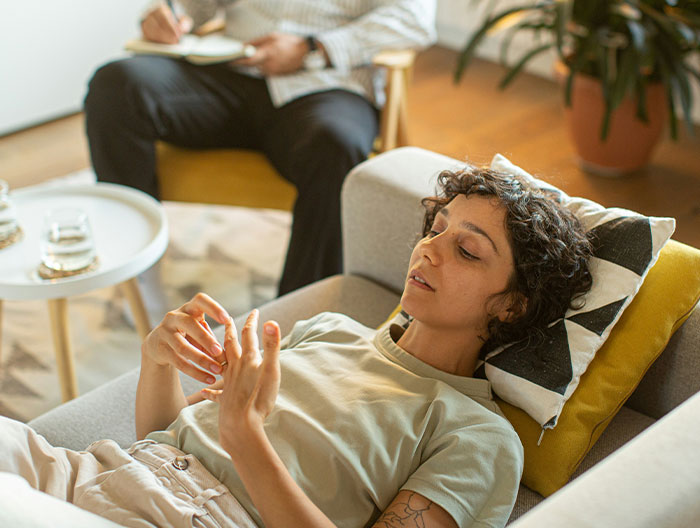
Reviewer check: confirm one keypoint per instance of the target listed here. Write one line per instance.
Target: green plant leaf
(508, 39)
(576, 65)
(695, 73)
(682, 85)
(625, 77)
(673, 122)
(605, 84)
(521, 63)
(560, 19)
(641, 85)
(467, 53)
(638, 34)
(686, 16)
(668, 85)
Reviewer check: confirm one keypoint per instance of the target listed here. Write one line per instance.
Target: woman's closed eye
(467, 255)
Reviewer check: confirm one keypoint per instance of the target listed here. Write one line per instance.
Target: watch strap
(311, 42)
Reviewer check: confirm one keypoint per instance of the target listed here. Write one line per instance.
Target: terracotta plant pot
(630, 141)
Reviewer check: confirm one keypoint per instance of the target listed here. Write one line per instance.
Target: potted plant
(628, 58)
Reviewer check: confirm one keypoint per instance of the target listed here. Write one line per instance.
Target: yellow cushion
(667, 297)
(222, 176)
(665, 300)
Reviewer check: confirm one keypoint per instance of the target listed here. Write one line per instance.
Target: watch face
(314, 60)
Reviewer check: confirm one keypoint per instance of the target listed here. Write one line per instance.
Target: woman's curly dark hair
(550, 249)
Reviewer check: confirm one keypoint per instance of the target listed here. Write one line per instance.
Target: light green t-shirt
(357, 419)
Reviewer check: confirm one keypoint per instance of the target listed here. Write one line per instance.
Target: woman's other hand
(251, 382)
(160, 25)
(184, 340)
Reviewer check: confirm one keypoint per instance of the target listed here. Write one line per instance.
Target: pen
(172, 7)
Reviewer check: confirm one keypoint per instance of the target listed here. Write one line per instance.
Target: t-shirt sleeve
(473, 473)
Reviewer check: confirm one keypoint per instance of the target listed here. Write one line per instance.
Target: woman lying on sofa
(339, 424)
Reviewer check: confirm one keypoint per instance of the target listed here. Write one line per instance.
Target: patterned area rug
(234, 254)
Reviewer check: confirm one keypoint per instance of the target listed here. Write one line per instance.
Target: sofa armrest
(673, 378)
(382, 214)
(652, 481)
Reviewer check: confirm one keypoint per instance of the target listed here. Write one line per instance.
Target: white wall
(49, 49)
(457, 19)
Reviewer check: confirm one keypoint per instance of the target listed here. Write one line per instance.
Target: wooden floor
(472, 120)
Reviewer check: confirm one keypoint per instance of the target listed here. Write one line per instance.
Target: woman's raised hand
(184, 340)
(251, 382)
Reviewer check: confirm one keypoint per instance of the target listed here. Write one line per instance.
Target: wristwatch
(314, 60)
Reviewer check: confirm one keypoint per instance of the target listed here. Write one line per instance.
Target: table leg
(130, 289)
(58, 313)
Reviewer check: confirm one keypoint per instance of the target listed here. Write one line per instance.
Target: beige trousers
(148, 485)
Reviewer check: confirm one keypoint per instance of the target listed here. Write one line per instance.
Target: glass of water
(8, 212)
(67, 243)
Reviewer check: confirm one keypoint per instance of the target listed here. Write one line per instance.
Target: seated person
(339, 424)
(307, 99)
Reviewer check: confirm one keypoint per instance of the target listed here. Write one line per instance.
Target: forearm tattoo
(407, 514)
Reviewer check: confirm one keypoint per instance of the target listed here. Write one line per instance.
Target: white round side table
(130, 231)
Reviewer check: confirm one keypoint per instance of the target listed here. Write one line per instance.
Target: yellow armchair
(245, 177)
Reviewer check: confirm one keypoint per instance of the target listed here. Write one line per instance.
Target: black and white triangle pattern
(626, 245)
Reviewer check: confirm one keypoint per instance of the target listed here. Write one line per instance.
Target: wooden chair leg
(130, 289)
(392, 126)
(402, 127)
(58, 314)
(390, 113)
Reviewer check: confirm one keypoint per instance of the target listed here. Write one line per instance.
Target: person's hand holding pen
(161, 24)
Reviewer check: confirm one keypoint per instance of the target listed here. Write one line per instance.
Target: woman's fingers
(179, 322)
(202, 304)
(249, 337)
(232, 347)
(212, 394)
(271, 344)
(187, 359)
(269, 381)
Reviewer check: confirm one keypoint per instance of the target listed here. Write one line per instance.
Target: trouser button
(180, 462)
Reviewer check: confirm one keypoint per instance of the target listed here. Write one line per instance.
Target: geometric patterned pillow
(626, 244)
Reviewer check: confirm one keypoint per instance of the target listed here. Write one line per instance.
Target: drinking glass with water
(67, 242)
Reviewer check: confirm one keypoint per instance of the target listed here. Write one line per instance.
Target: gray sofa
(382, 218)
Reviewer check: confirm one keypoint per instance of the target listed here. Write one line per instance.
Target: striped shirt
(352, 32)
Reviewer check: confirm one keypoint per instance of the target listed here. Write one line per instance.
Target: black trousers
(312, 141)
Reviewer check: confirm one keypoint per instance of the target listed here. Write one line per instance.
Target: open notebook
(209, 49)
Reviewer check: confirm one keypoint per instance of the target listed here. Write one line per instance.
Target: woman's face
(457, 268)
